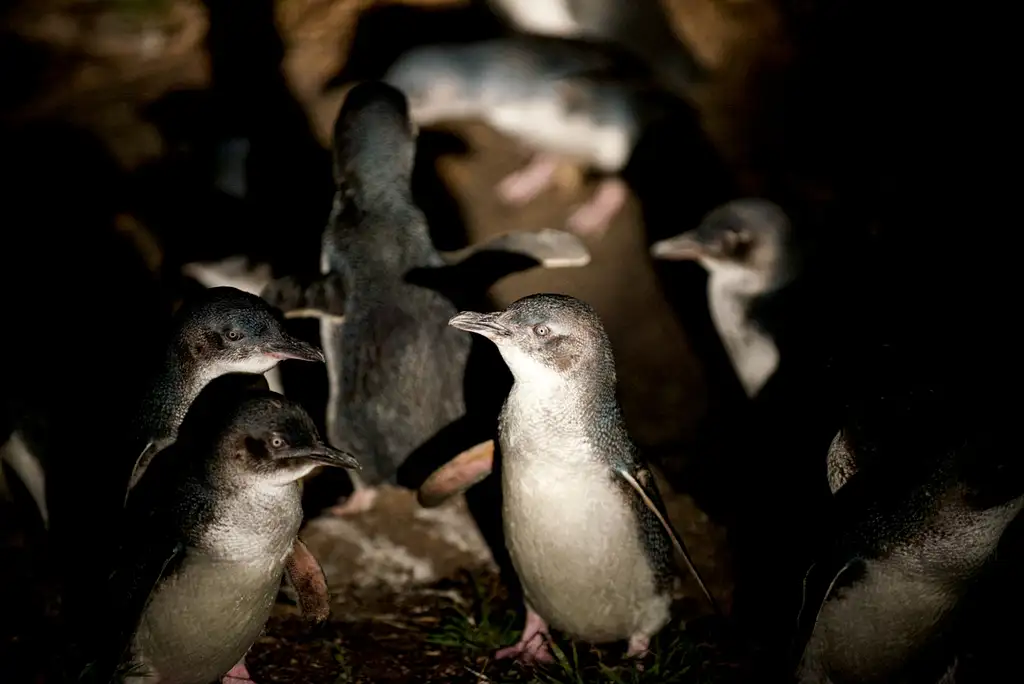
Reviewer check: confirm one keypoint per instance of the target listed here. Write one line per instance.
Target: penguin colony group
(209, 492)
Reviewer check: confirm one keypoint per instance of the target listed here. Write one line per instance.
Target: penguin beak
(322, 454)
(481, 324)
(682, 247)
(294, 348)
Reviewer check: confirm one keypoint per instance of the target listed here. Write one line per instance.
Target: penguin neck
(379, 227)
(560, 412)
(176, 386)
(752, 351)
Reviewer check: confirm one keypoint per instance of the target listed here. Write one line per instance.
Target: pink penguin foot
(595, 216)
(239, 674)
(639, 647)
(532, 647)
(520, 187)
(359, 501)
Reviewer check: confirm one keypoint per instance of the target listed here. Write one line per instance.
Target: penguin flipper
(462, 472)
(322, 298)
(143, 461)
(479, 266)
(641, 479)
(842, 463)
(310, 583)
(549, 247)
(821, 583)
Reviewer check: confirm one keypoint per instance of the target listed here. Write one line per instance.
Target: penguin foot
(239, 674)
(532, 647)
(594, 217)
(359, 501)
(525, 184)
(458, 475)
(639, 647)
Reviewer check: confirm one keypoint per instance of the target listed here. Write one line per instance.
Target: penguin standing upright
(746, 246)
(208, 534)
(584, 523)
(224, 330)
(882, 601)
(776, 297)
(396, 371)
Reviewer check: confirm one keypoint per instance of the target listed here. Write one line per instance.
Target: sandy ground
(395, 570)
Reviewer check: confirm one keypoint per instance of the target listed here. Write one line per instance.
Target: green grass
(675, 657)
(341, 658)
(480, 630)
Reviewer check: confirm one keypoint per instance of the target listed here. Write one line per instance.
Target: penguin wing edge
(641, 480)
(819, 582)
(549, 247)
(481, 265)
(142, 462)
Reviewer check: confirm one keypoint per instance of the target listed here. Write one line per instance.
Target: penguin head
(545, 338)
(231, 331)
(437, 82)
(742, 241)
(374, 138)
(274, 438)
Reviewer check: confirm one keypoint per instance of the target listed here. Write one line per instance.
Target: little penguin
(565, 99)
(207, 535)
(747, 249)
(395, 369)
(883, 600)
(584, 523)
(639, 26)
(224, 330)
(240, 273)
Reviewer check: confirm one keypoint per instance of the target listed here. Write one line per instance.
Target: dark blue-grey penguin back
(374, 140)
(395, 367)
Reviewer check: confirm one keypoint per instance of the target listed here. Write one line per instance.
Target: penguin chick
(565, 99)
(222, 331)
(640, 26)
(746, 248)
(208, 533)
(880, 604)
(584, 523)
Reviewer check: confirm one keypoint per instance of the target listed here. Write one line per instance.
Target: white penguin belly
(201, 622)
(753, 354)
(578, 553)
(547, 18)
(543, 123)
(847, 641)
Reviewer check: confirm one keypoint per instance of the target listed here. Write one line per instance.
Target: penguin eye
(234, 335)
(541, 330)
(736, 241)
(276, 442)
